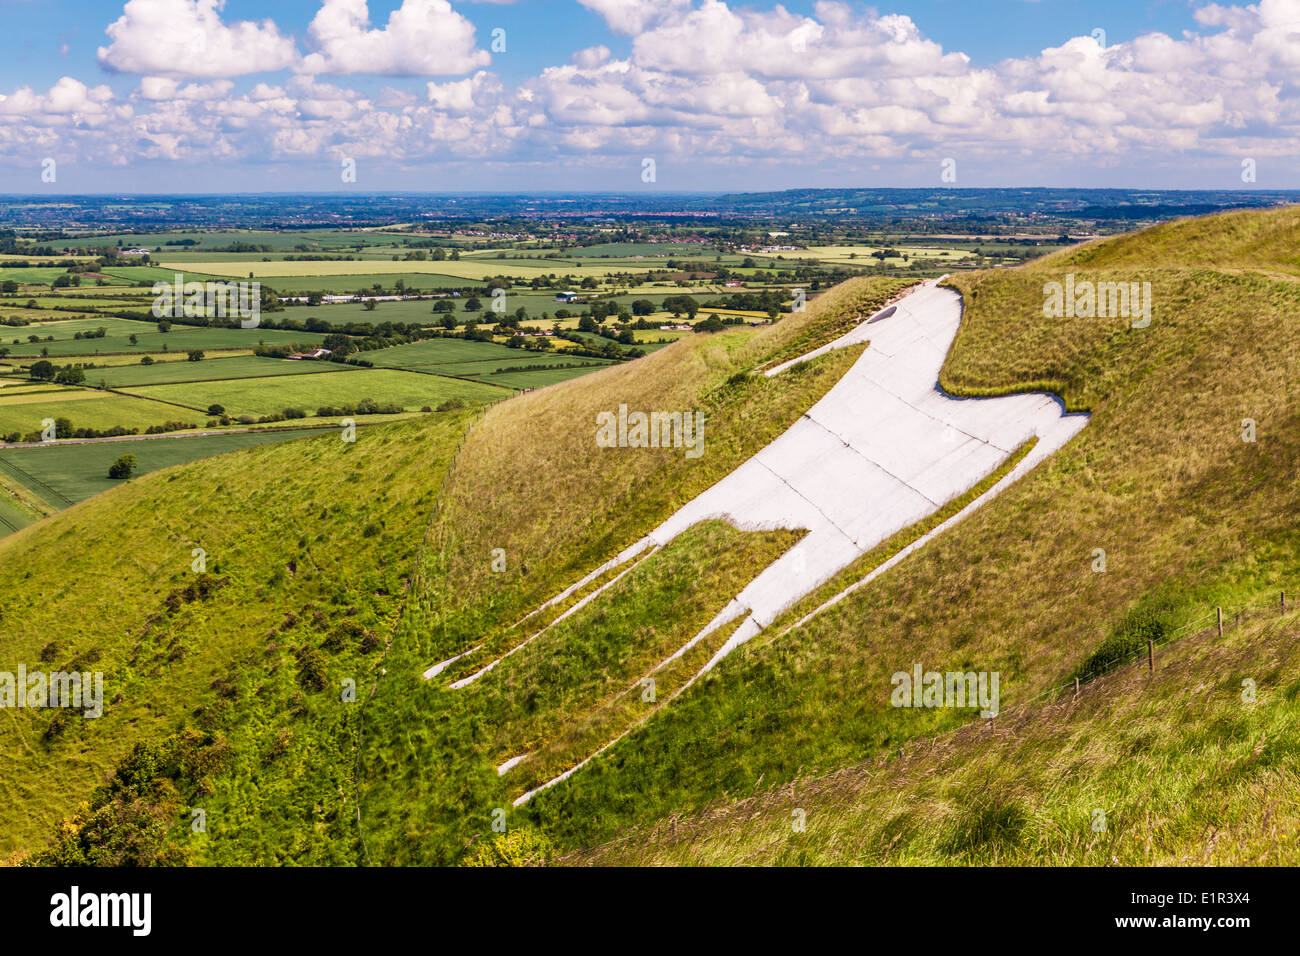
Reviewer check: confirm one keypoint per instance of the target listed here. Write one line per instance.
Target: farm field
(538, 377)
(149, 340)
(64, 473)
(152, 274)
(411, 311)
(267, 396)
(357, 282)
(446, 352)
(464, 268)
(34, 275)
(86, 408)
(12, 518)
(248, 366)
(321, 240)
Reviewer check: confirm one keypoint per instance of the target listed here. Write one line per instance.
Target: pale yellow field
(104, 361)
(43, 395)
(461, 270)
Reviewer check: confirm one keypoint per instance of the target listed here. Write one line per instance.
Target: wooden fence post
(1151, 654)
(1283, 602)
(1220, 612)
(1076, 687)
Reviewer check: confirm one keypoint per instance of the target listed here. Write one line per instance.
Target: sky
(105, 96)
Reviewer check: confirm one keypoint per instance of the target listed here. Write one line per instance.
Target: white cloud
(67, 101)
(168, 88)
(189, 38)
(707, 82)
(633, 16)
(422, 38)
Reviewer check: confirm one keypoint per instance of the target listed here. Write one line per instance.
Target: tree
(472, 304)
(147, 360)
(164, 326)
(42, 371)
(70, 376)
(643, 307)
(369, 305)
(338, 343)
(124, 467)
(133, 340)
(9, 287)
(215, 409)
(195, 355)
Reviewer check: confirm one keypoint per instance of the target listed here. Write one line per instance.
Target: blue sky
(988, 30)
(185, 94)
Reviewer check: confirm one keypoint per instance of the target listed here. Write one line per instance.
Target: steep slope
(1155, 511)
(331, 563)
(1194, 762)
(1186, 512)
(306, 543)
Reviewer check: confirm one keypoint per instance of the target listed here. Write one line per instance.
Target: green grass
(266, 396)
(1183, 769)
(314, 565)
(12, 517)
(362, 281)
(148, 339)
(341, 534)
(238, 686)
(210, 369)
(64, 474)
(86, 408)
(485, 361)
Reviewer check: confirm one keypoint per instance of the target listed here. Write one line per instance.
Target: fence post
(1151, 654)
(1283, 602)
(1220, 612)
(1076, 687)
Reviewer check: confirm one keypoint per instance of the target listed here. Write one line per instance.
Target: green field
(243, 366)
(148, 339)
(267, 396)
(86, 408)
(485, 360)
(41, 275)
(64, 473)
(363, 282)
(12, 518)
(445, 352)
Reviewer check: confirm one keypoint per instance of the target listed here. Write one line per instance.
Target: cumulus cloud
(422, 38)
(188, 38)
(714, 82)
(69, 100)
(633, 16)
(169, 88)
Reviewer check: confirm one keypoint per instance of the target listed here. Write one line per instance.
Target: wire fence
(1216, 620)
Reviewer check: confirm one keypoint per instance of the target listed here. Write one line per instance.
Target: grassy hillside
(329, 562)
(1182, 769)
(231, 683)
(308, 548)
